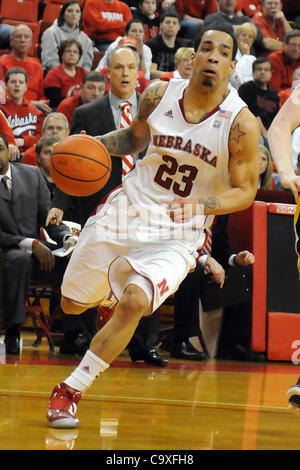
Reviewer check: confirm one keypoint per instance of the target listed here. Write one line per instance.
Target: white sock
(88, 370)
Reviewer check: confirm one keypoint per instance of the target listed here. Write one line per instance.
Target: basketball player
(279, 137)
(202, 160)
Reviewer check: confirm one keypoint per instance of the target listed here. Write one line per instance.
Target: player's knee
(134, 301)
(71, 307)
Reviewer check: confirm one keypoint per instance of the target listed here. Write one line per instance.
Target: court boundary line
(154, 401)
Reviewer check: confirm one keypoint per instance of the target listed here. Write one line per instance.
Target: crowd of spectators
(71, 64)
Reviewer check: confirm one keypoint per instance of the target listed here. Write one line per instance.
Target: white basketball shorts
(107, 254)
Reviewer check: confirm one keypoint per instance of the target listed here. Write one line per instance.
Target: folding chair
(41, 320)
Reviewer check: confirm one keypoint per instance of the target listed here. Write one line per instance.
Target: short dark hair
(261, 60)
(66, 43)
(218, 27)
(45, 140)
(169, 13)
(134, 20)
(295, 33)
(61, 20)
(4, 140)
(94, 77)
(14, 70)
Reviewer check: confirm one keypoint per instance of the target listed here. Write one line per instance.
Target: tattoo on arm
(236, 133)
(150, 99)
(119, 142)
(126, 141)
(210, 202)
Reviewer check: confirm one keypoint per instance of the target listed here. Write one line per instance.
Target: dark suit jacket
(24, 211)
(186, 298)
(95, 118)
(220, 244)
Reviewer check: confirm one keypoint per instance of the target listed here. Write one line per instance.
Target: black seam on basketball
(78, 179)
(81, 156)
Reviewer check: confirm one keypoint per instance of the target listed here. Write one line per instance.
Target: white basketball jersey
(183, 159)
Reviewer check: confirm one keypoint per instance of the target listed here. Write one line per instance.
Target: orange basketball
(80, 165)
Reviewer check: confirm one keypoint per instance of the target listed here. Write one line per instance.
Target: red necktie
(4, 179)
(206, 249)
(126, 120)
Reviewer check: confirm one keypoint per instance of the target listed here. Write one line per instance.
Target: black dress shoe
(243, 353)
(185, 350)
(149, 357)
(12, 344)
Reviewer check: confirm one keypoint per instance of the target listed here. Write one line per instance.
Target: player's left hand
(183, 209)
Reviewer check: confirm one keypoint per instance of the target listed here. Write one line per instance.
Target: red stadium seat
(266, 229)
(51, 11)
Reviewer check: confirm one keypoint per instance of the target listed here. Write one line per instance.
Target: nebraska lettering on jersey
(178, 143)
(112, 16)
(24, 123)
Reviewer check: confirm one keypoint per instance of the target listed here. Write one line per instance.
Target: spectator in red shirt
(54, 124)
(249, 8)
(23, 117)
(105, 20)
(284, 94)
(93, 86)
(21, 40)
(66, 79)
(285, 62)
(44, 149)
(8, 134)
(192, 15)
(272, 24)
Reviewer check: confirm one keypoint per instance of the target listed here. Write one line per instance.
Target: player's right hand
(54, 216)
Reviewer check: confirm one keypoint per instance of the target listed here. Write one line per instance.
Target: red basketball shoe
(63, 406)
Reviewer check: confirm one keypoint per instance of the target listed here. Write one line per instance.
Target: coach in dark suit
(24, 203)
(98, 118)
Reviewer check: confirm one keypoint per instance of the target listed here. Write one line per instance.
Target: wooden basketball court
(214, 405)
